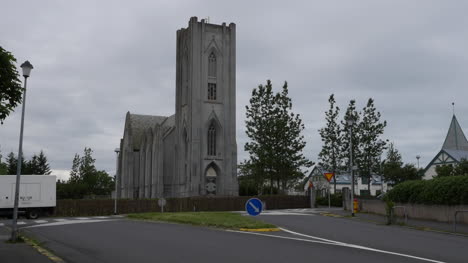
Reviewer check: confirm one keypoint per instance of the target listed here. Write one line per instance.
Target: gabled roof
(140, 123)
(457, 154)
(455, 139)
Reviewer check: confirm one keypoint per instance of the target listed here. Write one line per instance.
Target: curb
(42, 250)
(260, 229)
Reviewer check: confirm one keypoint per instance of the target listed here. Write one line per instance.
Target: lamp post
(26, 67)
(350, 123)
(417, 157)
(117, 150)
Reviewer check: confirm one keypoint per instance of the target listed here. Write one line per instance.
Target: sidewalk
(414, 223)
(19, 252)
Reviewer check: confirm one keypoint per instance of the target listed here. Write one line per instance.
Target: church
(194, 151)
(454, 149)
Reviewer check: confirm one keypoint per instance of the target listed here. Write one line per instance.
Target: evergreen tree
(330, 155)
(75, 173)
(352, 114)
(394, 171)
(85, 179)
(276, 143)
(370, 144)
(12, 163)
(392, 165)
(3, 166)
(43, 166)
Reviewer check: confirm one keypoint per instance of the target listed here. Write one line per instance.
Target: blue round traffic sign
(254, 206)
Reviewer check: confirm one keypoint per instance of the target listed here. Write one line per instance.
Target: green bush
(335, 200)
(450, 190)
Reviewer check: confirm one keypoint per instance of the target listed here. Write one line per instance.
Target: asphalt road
(318, 239)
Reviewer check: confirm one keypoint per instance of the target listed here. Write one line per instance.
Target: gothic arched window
(212, 65)
(212, 140)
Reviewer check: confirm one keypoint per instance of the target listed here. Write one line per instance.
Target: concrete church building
(454, 149)
(194, 151)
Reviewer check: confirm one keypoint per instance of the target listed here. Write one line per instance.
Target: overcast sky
(96, 60)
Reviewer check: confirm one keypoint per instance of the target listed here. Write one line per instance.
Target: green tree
(351, 114)
(12, 163)
(276, 142)
(10, 85)
(395, 172)
(330, 155)
(392, 164)
(75, 173)
(457, 169)
(461, 168)
(444, 170)
(3, 166)
(43, 166)
(370, 144)
(85, 179)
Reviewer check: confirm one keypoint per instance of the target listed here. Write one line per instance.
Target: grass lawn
(214, 219)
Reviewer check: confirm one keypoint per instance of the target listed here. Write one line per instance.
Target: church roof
(455, 139)
(140, 123)
(458, 155)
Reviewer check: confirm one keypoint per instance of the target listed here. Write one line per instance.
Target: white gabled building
(316, 177)
(454, 149)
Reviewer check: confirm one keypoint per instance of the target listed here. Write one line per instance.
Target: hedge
(335, 200)
(451, 190)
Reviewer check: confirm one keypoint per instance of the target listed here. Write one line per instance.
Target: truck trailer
(37, 195)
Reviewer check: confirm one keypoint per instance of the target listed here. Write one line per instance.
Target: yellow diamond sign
(329, 176)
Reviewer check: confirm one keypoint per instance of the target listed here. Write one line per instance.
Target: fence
(125, 206)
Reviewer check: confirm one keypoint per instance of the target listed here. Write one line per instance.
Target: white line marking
(40, 221)
(335, 243)
(60, 220)
(2, 224)
(21, 223)
(118, 216)
(102, 217)
(69, 222)
(82, 218)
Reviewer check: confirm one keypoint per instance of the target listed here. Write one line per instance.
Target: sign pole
(329, 203)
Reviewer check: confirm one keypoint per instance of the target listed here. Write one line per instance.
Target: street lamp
(350, 121)
(26, 67)
(417, 157)
(117, 150)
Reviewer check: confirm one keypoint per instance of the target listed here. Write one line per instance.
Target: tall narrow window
(211, 91)
(212, 65)
(212, 140)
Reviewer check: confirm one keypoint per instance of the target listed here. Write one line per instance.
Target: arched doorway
(210, 180)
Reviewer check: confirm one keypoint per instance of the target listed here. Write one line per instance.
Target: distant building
(454, 149)
(194, 151)
(343, 180)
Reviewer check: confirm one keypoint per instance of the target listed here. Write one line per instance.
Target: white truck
(37, 195)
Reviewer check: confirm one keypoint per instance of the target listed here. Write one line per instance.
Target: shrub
(451, 190)
(335, 200)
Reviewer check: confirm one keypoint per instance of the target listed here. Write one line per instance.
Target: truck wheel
(32, 214)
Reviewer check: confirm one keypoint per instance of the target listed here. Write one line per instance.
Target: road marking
(60, 220)
(2, 224)
(102, 217)
(41, 221)
(118, 216)
(82, 218)
(334, 243)
(21, 223)
(69, 222)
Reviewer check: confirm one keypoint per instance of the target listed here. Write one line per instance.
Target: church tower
(205, 118)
